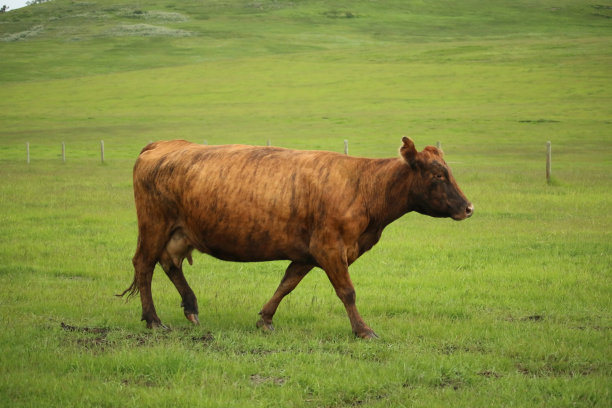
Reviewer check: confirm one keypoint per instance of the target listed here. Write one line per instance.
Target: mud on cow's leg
(293, 275)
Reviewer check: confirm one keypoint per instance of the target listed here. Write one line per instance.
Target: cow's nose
(469, 210)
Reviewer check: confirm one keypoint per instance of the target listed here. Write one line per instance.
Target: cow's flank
(248, 203)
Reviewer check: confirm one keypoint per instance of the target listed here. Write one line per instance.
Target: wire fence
(102, 150)
(269, 143)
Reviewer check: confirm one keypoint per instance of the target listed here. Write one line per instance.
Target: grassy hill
(151, 70)
(64, 39)
(509, 308)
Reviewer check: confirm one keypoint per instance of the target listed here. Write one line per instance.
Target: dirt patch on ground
(97, 338)
(92, 339)
(204, 339)
(101, 330)
(490, 374)
(533, 318)
(530, 318)
(257, 379)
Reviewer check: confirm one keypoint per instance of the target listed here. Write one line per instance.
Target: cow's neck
(390, 193)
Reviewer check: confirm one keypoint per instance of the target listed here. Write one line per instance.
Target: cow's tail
(130, 291)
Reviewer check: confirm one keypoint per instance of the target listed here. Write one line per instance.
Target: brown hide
(248, 203)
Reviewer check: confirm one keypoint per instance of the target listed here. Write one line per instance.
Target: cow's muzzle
(466, 213)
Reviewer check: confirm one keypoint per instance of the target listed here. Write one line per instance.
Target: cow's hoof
(265, 327)
(157, 325)
(193, 318)
(367, 334)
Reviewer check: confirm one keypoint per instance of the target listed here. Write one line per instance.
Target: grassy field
(509, 308)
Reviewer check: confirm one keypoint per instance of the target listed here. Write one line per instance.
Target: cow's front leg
(293, 275)
(346, 292)
(335, 265)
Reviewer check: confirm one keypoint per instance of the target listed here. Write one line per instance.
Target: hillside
(209, 69)
(64, 38)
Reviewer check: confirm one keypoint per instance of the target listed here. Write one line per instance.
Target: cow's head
(436, 192)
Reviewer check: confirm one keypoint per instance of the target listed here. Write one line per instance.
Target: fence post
(346, 147)
(28, 152)
(548, 160)
(269, 143)
(102, 150)
(439, 145)
(63, 152)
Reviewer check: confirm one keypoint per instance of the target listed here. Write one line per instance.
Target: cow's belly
(251, 240)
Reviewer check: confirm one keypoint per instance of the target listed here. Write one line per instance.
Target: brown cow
(248, 203)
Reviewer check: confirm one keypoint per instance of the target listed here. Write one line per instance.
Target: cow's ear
(408, 151)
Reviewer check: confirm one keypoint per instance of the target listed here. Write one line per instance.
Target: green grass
(509, 308)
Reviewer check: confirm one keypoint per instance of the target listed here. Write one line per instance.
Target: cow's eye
(439, 176)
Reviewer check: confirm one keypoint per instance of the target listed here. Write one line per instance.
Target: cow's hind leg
(293, 275)
(189, 301)
(177, 249)
(151, 242)
(143, 275)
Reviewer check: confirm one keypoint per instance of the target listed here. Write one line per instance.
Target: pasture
(509, 308)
